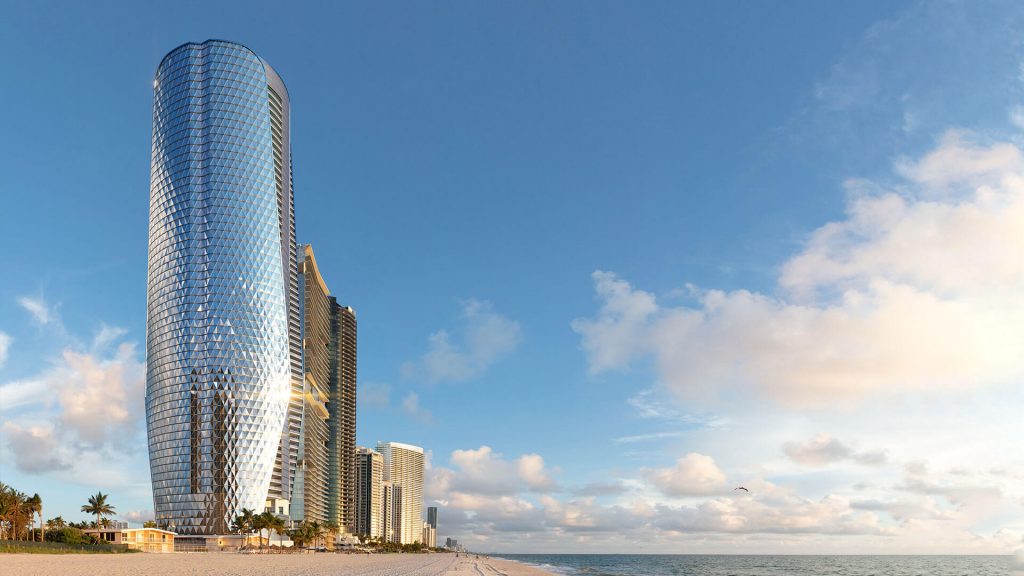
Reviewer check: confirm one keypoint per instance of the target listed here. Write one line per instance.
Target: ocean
(698, 565)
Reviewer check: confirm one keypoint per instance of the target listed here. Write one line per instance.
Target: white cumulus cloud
(86, 407)
(920, 288)
(36, 449)
(478, 474)
(693, 475)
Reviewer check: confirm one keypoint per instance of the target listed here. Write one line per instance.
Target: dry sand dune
(228, 564)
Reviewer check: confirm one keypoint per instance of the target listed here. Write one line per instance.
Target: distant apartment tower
(432, 517)
(341, 443)
(403, 467)
(223, 354)
(370, 519)
(392, 512)
(429, 535)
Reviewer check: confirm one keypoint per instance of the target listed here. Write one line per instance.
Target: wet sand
(231, 564)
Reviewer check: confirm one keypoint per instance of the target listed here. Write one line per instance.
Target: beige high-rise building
(391, 512)
(325, 477)
(403, 467)
(309, 492)
(369, 493)
(341, 446)
(429, 535)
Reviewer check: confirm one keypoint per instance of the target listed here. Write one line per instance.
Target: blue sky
(589, 248)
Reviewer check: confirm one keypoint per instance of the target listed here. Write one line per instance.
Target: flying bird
(741, 488)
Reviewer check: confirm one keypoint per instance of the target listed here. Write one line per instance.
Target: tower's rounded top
(272, 74)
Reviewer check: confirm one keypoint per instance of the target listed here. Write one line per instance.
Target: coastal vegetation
(19, 531)
(16, 513)
(48, 547)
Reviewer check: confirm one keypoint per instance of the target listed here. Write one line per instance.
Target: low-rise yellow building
(143, 539)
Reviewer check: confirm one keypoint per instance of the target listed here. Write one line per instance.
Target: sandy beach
(229, 564)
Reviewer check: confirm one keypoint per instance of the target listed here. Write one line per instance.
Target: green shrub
(68, 535)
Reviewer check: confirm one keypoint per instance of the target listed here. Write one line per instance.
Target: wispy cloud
(20, 393)
(603, 489)
(647, 437)
(105, 336)
(483, 338)
(138, 516)
(824, 449)
(411, 406)
(5, 345)
(649, 405)
(374, 394)
(42, 313)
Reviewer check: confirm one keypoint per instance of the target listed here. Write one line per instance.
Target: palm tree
(98, 505)
(297, 536)
(9, 506)
(16, 513)
(22, 517)
(306, 533)
(332, 529)
(243, 524)
(35, 506)
(56, 523)
(259, 523)
(276, 524)
(270, 521)
(318, 531)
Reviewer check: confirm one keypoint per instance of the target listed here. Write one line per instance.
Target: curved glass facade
(220, 345)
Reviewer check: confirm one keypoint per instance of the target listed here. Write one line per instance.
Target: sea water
(697, 565)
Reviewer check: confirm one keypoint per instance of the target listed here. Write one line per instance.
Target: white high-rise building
(429, 535)
(403, 467)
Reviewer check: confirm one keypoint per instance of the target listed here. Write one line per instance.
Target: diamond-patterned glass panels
(217, 382)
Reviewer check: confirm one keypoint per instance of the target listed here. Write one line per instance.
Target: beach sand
(231, 564)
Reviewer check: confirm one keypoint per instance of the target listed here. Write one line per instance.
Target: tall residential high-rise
(312, 473)
(369, 493)
(403, 467)
(341, 442)
(432, 516)
(325, 476)
(223, 351)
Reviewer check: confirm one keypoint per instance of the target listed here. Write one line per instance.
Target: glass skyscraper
(223, 344)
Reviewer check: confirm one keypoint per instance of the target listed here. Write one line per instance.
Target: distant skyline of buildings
(251, 360)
